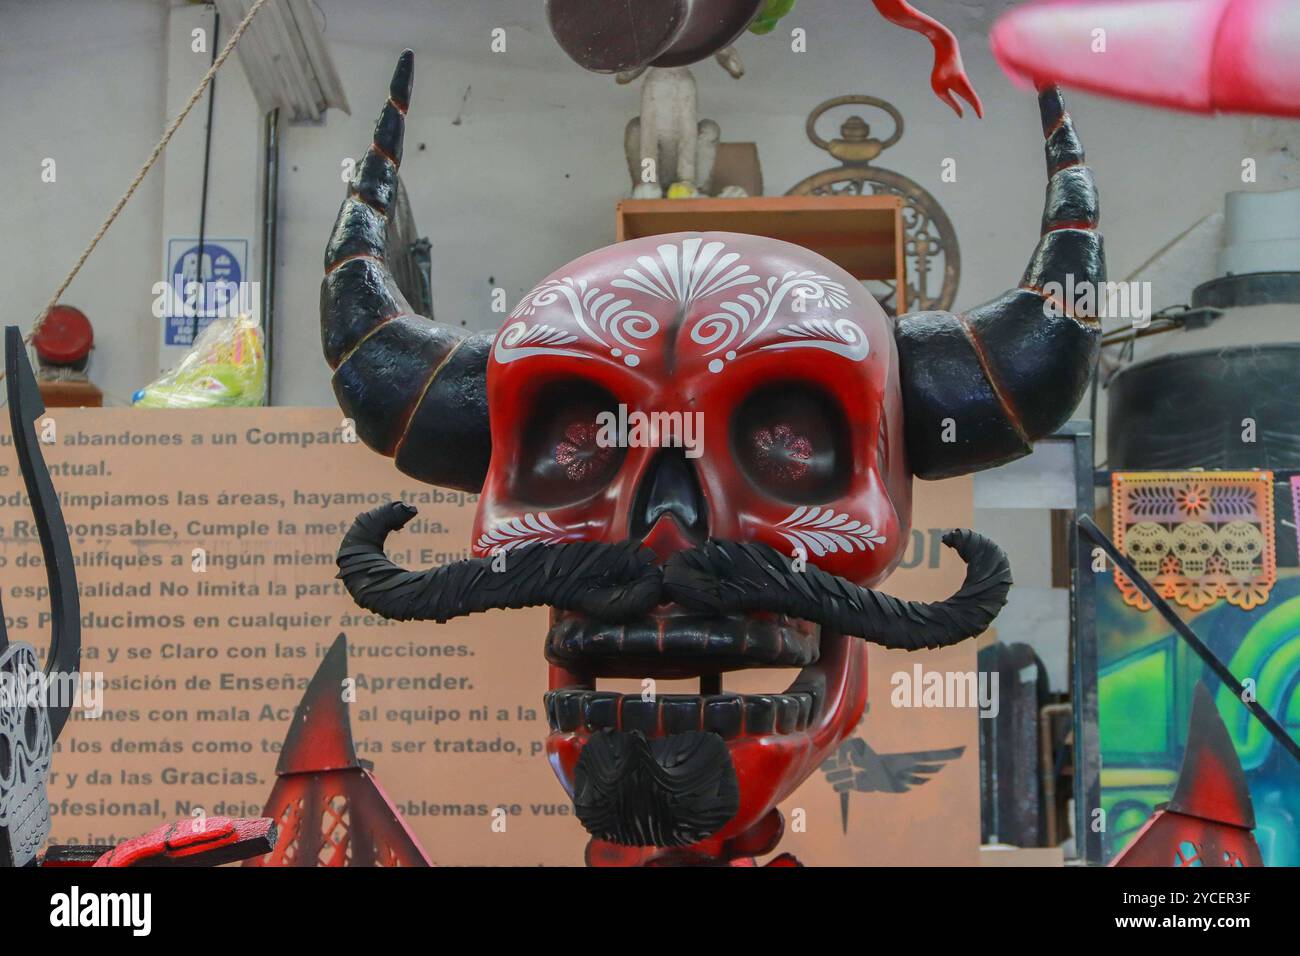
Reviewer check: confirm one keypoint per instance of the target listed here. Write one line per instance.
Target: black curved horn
(980, 387)
(730, 576)
(417, 389)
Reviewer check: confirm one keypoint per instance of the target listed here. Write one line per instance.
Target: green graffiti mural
(1145, 682)
(1269, 656)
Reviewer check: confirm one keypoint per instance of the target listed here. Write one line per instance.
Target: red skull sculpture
(700, 457)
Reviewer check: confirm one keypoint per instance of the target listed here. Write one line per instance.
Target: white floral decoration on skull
(683, 273)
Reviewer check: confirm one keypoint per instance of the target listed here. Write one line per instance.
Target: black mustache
(616, 582)
(621, 582)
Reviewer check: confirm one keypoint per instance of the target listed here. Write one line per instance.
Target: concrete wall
(85, 88)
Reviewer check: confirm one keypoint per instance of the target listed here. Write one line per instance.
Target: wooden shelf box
(861, 234)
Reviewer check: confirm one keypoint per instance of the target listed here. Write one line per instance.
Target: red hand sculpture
(948, 76)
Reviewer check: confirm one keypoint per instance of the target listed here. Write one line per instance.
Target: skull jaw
(768, 766)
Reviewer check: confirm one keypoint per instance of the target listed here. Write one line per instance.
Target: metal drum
(1188, 410)
(607, 37)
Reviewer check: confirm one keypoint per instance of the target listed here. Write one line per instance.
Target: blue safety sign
(204, 286)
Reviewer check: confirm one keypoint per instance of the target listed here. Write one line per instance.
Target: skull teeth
(727, 715)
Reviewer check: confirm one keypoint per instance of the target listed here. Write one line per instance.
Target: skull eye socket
(563, 461)
(31, 727)
(792, 442)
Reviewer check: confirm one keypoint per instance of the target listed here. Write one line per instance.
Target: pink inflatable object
(1204, 56)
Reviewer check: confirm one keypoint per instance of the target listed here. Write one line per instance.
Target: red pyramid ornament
(1209, 820)
(328, 806)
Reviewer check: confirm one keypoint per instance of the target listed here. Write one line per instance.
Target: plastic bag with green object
(773, 10)
(225, 367)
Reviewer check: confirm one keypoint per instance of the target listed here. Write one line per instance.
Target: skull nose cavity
(669, 512)
(666, 539)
